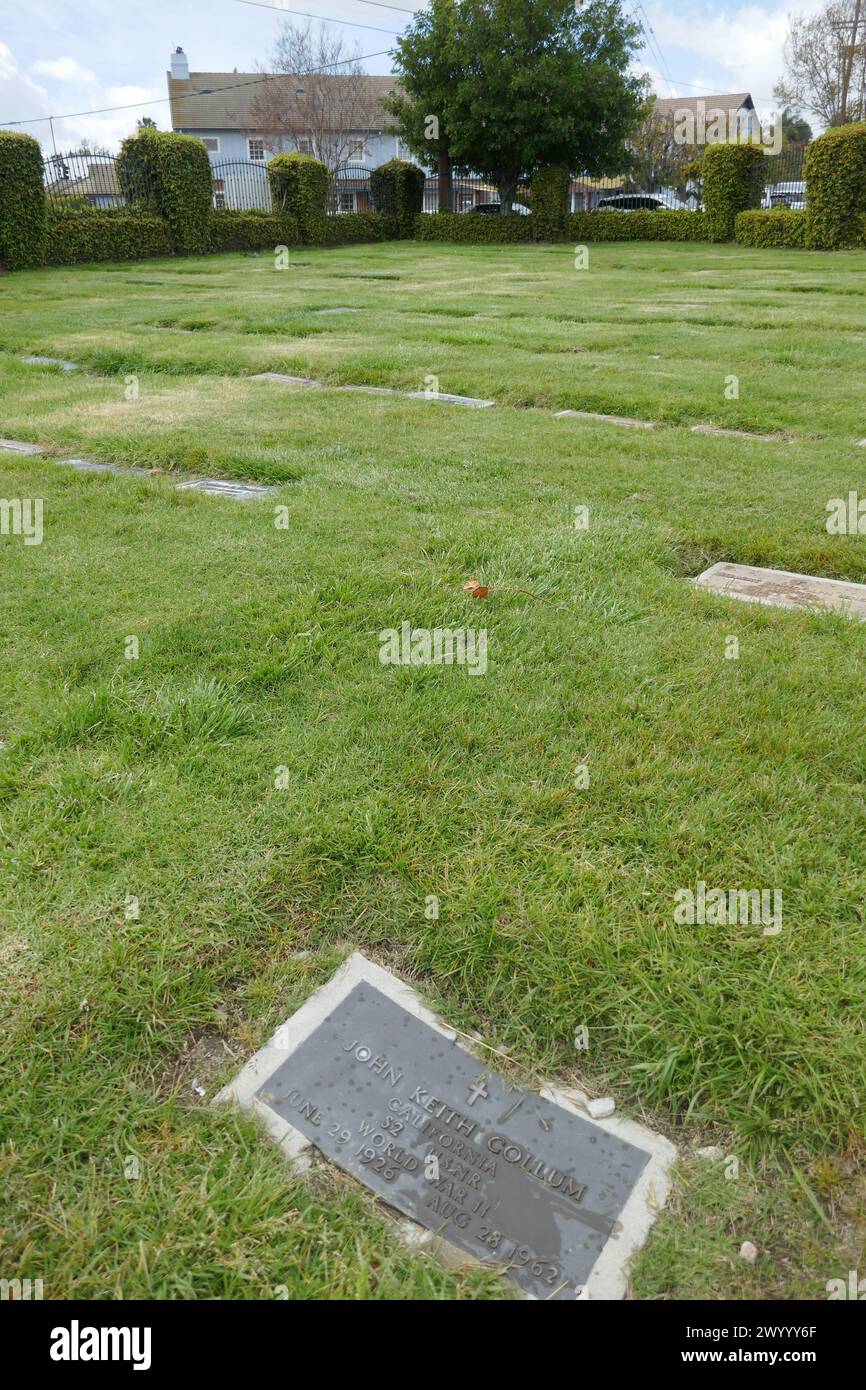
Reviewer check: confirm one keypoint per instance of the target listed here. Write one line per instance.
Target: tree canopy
(515, 85)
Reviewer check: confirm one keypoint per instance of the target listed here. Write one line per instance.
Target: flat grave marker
(736, 434)
(446, 398)
(285, 379)
(220, 487)
(785, 589)
(624, 420)
(14, 446)
(88, 466)
(36, 360)
(518, 1180)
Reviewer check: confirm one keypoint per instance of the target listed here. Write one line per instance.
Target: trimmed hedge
(253, 230)
(471, 227)
(22, 200)
(349, 227)
(397, 188)
(835, 170)
(780, 227)
(550, 203)
(673, 224)
(733, 179)
(299, 188)
(102, 234)
(170, 174)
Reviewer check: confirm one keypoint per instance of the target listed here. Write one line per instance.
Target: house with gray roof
(229, 112)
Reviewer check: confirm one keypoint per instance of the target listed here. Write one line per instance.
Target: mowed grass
(258, 650)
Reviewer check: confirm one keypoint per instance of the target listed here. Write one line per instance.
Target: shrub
(398, 192)
(667, 225)
(550, 203)
(170, 174)
(22, 200)
(252, 230)
(733, 178)
(102, 234)
(781, 227)
(358, 226)
(835, 169)
(468, 227)
(299, 188)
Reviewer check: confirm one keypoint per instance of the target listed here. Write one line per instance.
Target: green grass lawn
(258, 649)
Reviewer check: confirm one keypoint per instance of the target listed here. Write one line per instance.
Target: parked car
(494, 209)
(636, 202)
(785, 195)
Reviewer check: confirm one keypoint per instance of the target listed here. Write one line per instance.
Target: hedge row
(358, 226)
(250, 231)
(102, 235)
(472, 227)
(781, 227)
(666, 225)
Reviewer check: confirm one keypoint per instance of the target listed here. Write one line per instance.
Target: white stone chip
(784, 589)
(15, 447)
(861, 443)
(748, 1252)
(602, 1107)
(712, 1153)
(624, 420)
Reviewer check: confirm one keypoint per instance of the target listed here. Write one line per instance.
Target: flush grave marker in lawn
(36, 360)
(15, 447)
(219, 487)
(368, 1076)
(623, 420)
(785, 589)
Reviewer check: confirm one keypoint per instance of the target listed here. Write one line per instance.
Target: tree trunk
(507, 190)
(446, 193)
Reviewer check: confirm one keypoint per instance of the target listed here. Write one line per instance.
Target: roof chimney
(179, 65)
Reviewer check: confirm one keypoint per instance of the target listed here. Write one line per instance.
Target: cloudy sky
(69, 57)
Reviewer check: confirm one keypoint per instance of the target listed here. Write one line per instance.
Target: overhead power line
(205, 91)
(325, 18)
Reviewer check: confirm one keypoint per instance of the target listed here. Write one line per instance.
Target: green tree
(795, 128)
(521, 84)
(428, 68)
(146, 123)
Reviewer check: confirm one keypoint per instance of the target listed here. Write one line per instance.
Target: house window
(346, 202)
(257, 149)
(211, 143)
(356, 149)
(305, 145)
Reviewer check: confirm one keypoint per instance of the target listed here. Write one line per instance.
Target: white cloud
(738, 49)
(19, 94)
(64, 70)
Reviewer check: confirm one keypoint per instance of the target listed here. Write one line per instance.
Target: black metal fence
(82, 179)
(242, 185)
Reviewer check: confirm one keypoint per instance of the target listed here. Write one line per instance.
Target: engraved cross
(477, 1091)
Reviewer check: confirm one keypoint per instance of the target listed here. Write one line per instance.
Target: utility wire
(205, 91)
